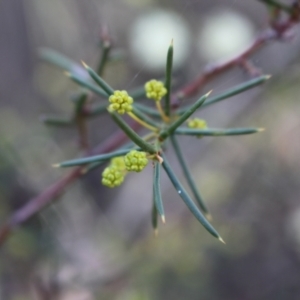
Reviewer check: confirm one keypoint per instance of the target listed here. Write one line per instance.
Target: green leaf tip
(188, 201)
(84, 64)
(221, 240)
(99, 80)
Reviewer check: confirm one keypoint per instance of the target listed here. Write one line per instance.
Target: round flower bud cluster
(155, 90)
(135, 161)
(197, 123)
(112, 176)
(121, 102)
(118, 162)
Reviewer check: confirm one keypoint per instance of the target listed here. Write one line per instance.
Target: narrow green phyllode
(157, 191)
(91, 159)
(217, 132)
(164, 134)
(86, 84)
(188, 201)
(132, 134)
(154, 214)
(168, 80)
(189, 177)
(102, 83)
(106, 47)
(55, 58)
(231, 92)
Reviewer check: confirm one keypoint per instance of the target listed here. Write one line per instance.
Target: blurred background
(97, 243)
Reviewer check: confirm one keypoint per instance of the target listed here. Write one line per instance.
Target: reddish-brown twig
(277, 31)
(54, 191)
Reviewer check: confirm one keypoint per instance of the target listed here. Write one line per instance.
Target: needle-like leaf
(217, 132)
(188, 176)
(90, 159)
(132, 134)
(99, 80)
(165, 133)
(188, 201)
(157, 191)
(86, 84)
(168, 79)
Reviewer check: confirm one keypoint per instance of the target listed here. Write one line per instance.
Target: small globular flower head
(135, 161)
(118, 162)
(155, 90)
(121, 102)
(197, 123)
(112, 177)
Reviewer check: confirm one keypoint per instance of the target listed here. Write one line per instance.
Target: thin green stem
(144, 117)
(148, 110)
(143, 123)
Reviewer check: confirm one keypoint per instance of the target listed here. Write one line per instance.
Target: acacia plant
(128, 150)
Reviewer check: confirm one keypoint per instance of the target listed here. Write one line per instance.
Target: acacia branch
(276, 31)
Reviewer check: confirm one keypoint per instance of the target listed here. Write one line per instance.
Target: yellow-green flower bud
(135, 161)
(118, 162)
(155, 90)
(197, 123)
(112, 177)
(121, 102)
